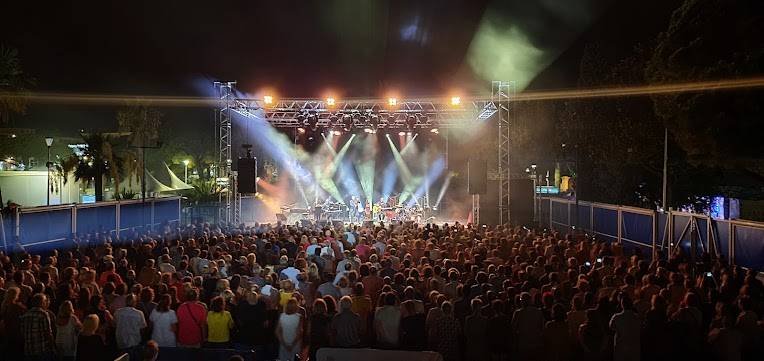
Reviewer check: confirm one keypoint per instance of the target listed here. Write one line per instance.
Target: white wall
(27, 188)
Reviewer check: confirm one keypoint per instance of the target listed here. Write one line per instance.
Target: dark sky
(300, 48)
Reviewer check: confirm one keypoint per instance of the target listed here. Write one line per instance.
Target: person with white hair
(130, 322)
(346, 325)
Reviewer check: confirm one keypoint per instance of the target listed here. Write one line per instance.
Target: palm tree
(204, 191)
(141, 124)
(94, 160)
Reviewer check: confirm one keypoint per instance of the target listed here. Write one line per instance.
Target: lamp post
(49, 143)
(185, 170)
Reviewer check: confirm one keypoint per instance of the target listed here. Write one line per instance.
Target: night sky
(299, 48)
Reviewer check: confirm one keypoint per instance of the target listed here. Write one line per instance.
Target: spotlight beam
(402, 167)
(443, 189)
(172, 101)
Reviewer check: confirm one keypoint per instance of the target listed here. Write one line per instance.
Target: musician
(354, 209)
(359, 210)
(377, 211)
(367, 210)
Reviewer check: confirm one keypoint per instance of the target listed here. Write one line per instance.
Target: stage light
(330, 101)
(337, 132)
(301, 130)
(434, 130)
(257, 179)
(408, 134)
(401, 133)
(392, 102)
(387, 135)
(456, 100)
(268, 99)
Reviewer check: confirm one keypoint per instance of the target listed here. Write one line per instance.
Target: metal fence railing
(50, 227)
(740, 242)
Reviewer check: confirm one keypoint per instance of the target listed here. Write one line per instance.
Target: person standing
(476, 332)
(346, 325)
(37, 329)
(627, 327)
(289, 331)
(192, 321)
(387, 321)
(448, 331)
(219, 324)
(319, 328)
(10, 312)
(129, 322)
(557, 339)
(90, 345)
(164, 323)
(528, 328)
(67, 327)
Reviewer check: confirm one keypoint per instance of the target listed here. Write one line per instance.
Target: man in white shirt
(129, 323)
(627, 327)
(291, 273)
(387, 320)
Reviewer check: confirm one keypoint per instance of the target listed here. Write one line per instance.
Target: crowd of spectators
(468, 293)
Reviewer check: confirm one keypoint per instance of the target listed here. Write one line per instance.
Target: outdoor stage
(356, 160)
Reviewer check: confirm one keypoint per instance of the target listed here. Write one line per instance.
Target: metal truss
(501, 94)
(227, 212)
(419, 113)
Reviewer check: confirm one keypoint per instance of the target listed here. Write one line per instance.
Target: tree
(12, 80)
(141, 124)
(93, 161)
(712, 40)
(616, 143)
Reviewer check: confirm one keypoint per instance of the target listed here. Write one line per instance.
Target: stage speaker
(246, 176)
(477, 176)
(521, 201)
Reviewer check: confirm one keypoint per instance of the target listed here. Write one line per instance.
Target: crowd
(468, 293)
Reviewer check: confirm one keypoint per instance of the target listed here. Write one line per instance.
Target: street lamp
(185, 165)
(49, 143)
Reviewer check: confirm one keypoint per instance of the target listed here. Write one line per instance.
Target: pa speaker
(476, 176)
(521, 201)
(246, 175)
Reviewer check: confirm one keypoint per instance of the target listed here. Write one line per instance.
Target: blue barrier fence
(740, 242)
(41, 229)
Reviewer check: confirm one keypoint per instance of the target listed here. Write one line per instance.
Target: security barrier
(40, 229)
(659, 233)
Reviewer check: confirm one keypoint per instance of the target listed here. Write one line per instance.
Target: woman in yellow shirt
(219, 324)
(286, 293)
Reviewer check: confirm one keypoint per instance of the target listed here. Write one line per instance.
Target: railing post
(117, 216)
(620, 223)
(733, 239)
(655, 235)
(153, 205)
(74, 219)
